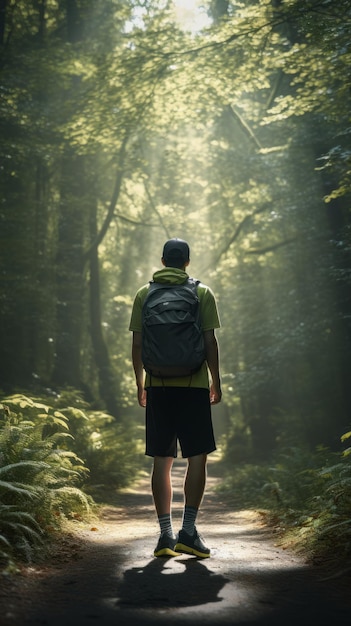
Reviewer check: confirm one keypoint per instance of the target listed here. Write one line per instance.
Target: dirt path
(107, 574)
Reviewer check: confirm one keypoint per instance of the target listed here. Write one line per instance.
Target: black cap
(176, 251)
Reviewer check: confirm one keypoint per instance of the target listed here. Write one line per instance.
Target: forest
(127, 122)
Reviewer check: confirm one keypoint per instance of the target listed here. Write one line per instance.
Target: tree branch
(114, 199)
(237, 232)
(272, 247)
(159, 216)
(123, 218)
(247, 129)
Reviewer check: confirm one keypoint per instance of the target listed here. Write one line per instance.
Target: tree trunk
(71, 226)
(69, 272)
(3, 4)
(107, 383)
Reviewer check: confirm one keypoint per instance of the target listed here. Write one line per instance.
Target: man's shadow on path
(156, 586)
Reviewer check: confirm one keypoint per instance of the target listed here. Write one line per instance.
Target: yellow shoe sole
(166, 552)
(181, 547)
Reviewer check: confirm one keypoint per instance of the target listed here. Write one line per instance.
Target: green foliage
(52, 453)
(120, 128)
(307, 497)
(39, 476)
(111, 449)
(20, 534)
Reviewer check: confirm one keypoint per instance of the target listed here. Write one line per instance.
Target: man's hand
(142, 396)
(215, 395)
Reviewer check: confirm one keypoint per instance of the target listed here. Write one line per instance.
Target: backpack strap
(193, 281)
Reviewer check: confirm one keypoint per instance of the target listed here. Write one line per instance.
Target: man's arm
(138, 368)
(212, 357)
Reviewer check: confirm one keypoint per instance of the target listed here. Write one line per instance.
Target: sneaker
(165, 545)
(192, 544)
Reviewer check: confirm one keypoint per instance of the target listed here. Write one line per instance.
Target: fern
(307, 494)
(20, 534)
(49, 449)
(36, 475)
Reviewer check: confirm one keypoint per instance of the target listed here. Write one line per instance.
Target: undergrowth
(52, 455)
(305, 497)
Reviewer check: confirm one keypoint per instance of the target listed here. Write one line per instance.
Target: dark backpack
(172, 338)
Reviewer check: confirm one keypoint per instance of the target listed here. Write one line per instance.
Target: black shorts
(178, 414)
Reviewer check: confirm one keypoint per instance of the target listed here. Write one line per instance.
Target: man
(179, 410)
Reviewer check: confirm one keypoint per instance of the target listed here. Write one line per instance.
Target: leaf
(345, 436)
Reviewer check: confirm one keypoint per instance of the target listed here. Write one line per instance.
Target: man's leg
(195, 480)
(194, 487)
(161, 485)
(189, 540)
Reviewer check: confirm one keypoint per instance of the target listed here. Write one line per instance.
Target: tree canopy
(124, 124)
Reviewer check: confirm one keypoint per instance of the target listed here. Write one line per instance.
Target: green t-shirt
(209, 320)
